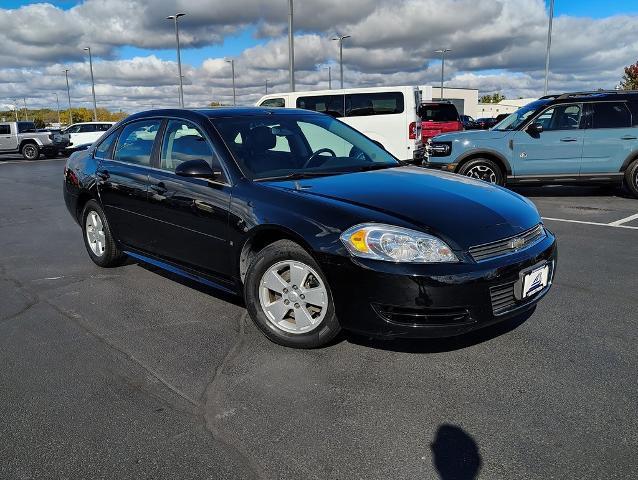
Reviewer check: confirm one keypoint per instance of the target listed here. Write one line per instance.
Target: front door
(556, 151)
(192, 213)
(123, 184)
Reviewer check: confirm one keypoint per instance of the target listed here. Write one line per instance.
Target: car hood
(463, 211)
(471, 135)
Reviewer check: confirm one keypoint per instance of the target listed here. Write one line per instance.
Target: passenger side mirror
(195, 168)
(535, 129)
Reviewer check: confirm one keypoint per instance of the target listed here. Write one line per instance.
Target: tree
(495, 98)
(39, 123)
(630, 78)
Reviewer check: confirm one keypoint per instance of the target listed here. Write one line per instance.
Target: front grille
(423, 316)
(508, 245)
(503, 298)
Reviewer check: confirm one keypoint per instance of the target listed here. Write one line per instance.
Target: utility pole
(340, 39)
(57, 101)
(329, 77)
(92, 83)
(68, 92)
(291, 46)
(442, 51)
(549, 43)
(26, 112)
(15, 108)
(266, 86)
(179, 59)
(232, 67)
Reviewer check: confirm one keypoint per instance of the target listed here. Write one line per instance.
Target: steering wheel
(315, 155)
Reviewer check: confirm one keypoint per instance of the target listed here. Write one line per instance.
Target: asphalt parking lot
(130, 373)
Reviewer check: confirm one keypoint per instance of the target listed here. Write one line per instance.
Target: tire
(631, 178)
(298, 323)
(483, 169)
(30, 151)
(101, 247)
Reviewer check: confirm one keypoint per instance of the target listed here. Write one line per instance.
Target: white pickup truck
(22, 137)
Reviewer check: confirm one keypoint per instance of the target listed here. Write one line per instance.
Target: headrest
(261, 138)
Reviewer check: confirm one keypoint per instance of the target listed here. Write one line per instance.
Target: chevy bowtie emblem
(517, 243)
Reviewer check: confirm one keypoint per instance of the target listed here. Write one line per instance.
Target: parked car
(23, 137)
(388, 115)
(438, 117)
(85, 133)
(468, 122)
(316, 225)
(589, 137)
(485, 123)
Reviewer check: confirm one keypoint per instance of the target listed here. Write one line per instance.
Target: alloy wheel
(482, 172)
(95, 233)
(30, 152)
(293, 297)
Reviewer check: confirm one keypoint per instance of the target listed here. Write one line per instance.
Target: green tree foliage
(495, 98)
(630, 78)
(48, 115)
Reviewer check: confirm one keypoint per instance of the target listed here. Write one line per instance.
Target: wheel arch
(29, 141)
(259, 238)
(629, 160)
(83, 198)
(500, 160)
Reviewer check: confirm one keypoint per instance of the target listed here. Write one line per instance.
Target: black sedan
(316, 225)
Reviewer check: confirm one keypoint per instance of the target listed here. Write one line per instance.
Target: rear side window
(611, 115)
(103, 127)
(5, 130)
(89, 128)
(442, 112)
(136, 142)
(104, 148)
(633, 107)
(332, 105)
(273, 102)
(381, 103)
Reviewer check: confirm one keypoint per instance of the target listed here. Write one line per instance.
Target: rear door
(555, 152)
(190, 213)
(122, 176)
(609, 137)
(8, 139)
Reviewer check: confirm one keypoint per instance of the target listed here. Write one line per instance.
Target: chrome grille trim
(505, 247)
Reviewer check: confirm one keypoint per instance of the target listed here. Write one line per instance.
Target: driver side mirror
(195, 168)
(535, 129)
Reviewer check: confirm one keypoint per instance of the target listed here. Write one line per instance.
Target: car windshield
(299, 145)
(438, 112)
(520, 116)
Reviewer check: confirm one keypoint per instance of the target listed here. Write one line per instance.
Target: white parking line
(624, 220)
(590, 223)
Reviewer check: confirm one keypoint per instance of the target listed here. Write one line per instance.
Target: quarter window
(183, 142)
(560, 117)
(611, 115)
(273, 102)
(136, 142)
(104, 147)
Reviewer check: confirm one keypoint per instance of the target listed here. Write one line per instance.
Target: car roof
(593, 96)
(220, 112)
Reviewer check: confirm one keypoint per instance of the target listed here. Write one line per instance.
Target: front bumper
(446, 167)
(385, 299)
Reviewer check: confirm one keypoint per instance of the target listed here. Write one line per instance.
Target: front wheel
(288, 297)
(98, 239)
(631, 178)
(483, 169)
(30, 151)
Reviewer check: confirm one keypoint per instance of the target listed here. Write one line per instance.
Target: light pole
(26, 112)
(266, 86)
(340, 39)
(291, 47)
(15, 108)
(92, 83)
(329, 77)
(549, 43)
(68, 92)
(442, 51)
(179, 59)
(57, 101)
(232, 67)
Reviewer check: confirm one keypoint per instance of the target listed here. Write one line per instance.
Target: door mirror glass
(195, 168)
(535, 129)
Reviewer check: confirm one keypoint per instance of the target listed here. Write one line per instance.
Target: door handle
(160, 188)
(103, 174)
(628, 137)
(568, 139)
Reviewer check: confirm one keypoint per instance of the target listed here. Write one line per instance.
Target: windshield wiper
(297, 176)
(381, 166)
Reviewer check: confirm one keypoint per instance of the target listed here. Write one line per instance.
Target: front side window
(332, 105)
(273, 102)
(88, 128)
(560, 117)
(520, 116)
(633, 107)
(184, 142)
(380, 103)
(299, 145)
(104, 148)
(611, 115)
(136, 142)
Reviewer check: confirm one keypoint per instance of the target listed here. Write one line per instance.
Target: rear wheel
(483, 169)
(631, 178)
(98, 240)
(288, 297)
(30, 151)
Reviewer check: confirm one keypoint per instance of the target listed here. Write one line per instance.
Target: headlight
(395, 244)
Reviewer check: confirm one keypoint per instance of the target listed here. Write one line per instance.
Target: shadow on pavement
(571, 191)
(455, 454)
(438, 345)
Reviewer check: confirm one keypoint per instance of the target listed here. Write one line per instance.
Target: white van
(85, 133)
(387, 115)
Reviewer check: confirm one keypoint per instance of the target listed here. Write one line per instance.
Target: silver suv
(22, 137)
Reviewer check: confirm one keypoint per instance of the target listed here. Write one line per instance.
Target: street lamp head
(176, 16)
(443, 50)
(87, 49)
(341, 37)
